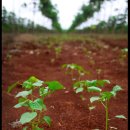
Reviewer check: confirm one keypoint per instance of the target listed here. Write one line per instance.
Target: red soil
(67, 110)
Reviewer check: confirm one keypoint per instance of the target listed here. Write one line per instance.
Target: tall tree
(87, 11)
(50, 11)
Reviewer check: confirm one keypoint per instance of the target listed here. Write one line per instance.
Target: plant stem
(72, 75)
(106, 115)
(103, 104)
(39, 116)
(79, 77)
(32, 95)
(89, 117)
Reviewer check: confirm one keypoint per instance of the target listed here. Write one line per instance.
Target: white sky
(67, 10)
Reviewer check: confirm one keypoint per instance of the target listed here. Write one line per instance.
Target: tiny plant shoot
(123, 54)
(70, 68)
(35, 115)
(58, 51)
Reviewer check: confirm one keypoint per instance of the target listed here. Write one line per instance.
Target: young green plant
(87, 85)
(58, 51)
(71, 68)
(123, 54)
(35, 104)
(104, 96)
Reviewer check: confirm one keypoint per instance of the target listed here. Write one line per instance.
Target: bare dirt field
(25, 55)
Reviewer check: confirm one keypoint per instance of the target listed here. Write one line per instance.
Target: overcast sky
(67, 10)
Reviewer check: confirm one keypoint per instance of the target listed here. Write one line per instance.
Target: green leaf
(24, 93)
(27, 117)
(92, 107)
(44, 107)
(47, 119)
(64, 66)
(116, 88)
(11, 87)
(71, 66)
(37, 128)
(31, 82)
(93, 99)
(79, 90)
(44, 91)
(106, 96)
(33, 79)
(94, 89)
(82, 97)
(91, 83)
(78, 84)
(25, 128)
(38, 83)
(27, 85)
(113, 93)
(54, 85)
(102, 82)
(120, 116)
(22, 99)
(111, 127)
(124, 50)
(36, 104)
(24, 103)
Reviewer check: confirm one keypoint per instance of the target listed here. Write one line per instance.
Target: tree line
(114, 24)
(11, 23)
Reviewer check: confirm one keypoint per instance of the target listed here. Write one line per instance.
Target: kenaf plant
(71, 68)
(103, 96)
(58, 51)
(123, 54)
(35, 105)
(87, 85)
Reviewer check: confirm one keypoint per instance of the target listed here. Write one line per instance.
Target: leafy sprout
(104, 96)
(35, 105)
(58, 51)
(70, 68)
(123, 54)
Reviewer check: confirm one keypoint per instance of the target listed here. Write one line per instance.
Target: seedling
(89, 55)
(58, 51)
(70, 68)
(87, 52)
(89, 117)
(123, 54)
(98, 72)
(86, 85)
(103, 98)
(8, 56)
(35, 105)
